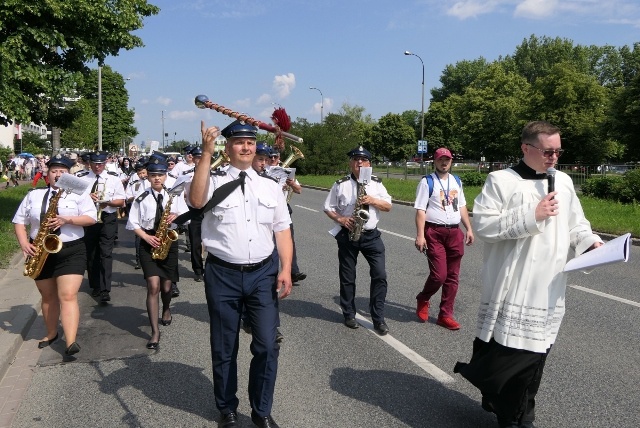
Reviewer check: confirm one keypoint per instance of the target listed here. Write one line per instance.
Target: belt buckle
(448, 226)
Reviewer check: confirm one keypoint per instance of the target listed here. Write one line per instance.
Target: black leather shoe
(198, 278)
(298, 276)
(46, 343)
(95, 292)
(137, 266)
(74, 348)
(279, 336)
(263, 421)
(154, 345)
(105, 296)
(166, 322)
(351, 323)
(381, 328)
(174, 291)
(228, 420)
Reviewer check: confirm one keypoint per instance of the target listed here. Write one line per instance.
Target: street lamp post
(422, 110)
(321, 102)
(100, 108)
(163, 130)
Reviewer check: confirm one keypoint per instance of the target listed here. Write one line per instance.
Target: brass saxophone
(164, 234)
(294, 156)
(360, 215)
(45, 241)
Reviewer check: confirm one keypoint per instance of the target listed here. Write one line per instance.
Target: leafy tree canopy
(46, 45)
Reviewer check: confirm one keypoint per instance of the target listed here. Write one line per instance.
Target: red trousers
(445, 248)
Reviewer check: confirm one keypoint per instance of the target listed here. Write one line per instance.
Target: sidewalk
(19, 307)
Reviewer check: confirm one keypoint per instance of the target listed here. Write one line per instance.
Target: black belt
(73, 243)
(363, 230)
(448, 226)
(240, 268)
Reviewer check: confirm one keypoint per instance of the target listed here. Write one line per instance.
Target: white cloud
(472, 8)
(241, 104)
(264, 99)
(326, 107)
(163, 101)
(184, 115)
(536, 9)
(284, 84)
(144, 101)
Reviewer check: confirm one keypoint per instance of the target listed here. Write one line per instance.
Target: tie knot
(242, 174)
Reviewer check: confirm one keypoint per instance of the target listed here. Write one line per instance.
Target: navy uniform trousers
(228, 291)
(99, 239)
(372, 248)
(195, 237)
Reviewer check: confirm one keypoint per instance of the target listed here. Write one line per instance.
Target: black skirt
(167, 268)
(70, 260)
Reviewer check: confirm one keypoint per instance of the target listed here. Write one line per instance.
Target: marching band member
(61, 275)
(144, 219)
(138, 183)
(195, 225)
(108, 193)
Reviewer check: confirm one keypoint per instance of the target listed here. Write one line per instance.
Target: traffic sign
(422, 146)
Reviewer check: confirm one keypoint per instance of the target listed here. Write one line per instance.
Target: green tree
(117, 119)
(392, 138)
(456, 78)
(575, 102)
(33, 143)
(45, 45)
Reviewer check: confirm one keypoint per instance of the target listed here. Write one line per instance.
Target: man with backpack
(440, 207)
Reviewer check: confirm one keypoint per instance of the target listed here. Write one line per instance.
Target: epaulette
(218, 172)
(142, 196)
(343, 179)
(188, 171)
(113, 173)
(269, 177)
(171, 175)
(133, 181)
(376, 178)
(81, 173)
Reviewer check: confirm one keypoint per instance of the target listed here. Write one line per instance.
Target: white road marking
(397, 234)
(608, 296)
(408, 353)
(308, 209)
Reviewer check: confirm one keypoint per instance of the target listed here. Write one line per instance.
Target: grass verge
(605, 216)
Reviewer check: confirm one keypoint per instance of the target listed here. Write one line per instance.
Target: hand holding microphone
(548, 206)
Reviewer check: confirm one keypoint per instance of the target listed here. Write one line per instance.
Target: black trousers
(508, 379)
(372, 248)
(195, 236)
(99, 240)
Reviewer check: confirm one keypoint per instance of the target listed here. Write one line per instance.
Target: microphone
(551, 178)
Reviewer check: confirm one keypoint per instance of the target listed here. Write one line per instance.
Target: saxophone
(294, 156)
(164, 234)
(360, 215)
(45, 241)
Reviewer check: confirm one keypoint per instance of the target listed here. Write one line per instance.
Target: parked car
(412, 164)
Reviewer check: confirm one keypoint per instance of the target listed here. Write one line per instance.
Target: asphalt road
(330, 375)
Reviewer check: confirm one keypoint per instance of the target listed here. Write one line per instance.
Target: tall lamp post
(321, 102)
(163, 130)
(422, 110)
(100, 108)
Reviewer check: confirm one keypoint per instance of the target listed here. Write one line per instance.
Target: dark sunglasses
(548, 153)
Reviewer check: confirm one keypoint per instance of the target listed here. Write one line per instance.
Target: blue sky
(249, 54)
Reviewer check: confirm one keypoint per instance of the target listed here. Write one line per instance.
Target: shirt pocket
(266, 209)
(228, 212)
(68, 208)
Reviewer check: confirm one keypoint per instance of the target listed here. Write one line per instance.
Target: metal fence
(578, 173)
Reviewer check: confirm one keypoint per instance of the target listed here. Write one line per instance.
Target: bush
(473, 178)
(624, 188)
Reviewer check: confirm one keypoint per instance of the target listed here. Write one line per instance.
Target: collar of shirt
(234, 172)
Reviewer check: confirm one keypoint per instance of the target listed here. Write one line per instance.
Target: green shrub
(473, 178)
(631, 188)
(613, 187)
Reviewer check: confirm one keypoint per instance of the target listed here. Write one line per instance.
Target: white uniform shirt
(113, 188)
(240, 229)
(143, 209)
(343, 195)
(181, 167)
(136, 186)
(443, 207)
(70, 204)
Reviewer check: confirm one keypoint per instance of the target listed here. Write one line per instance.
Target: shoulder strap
(430, 182)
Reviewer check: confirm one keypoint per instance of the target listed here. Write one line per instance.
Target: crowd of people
(236, 218)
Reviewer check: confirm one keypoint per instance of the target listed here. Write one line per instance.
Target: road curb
(20, 306)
